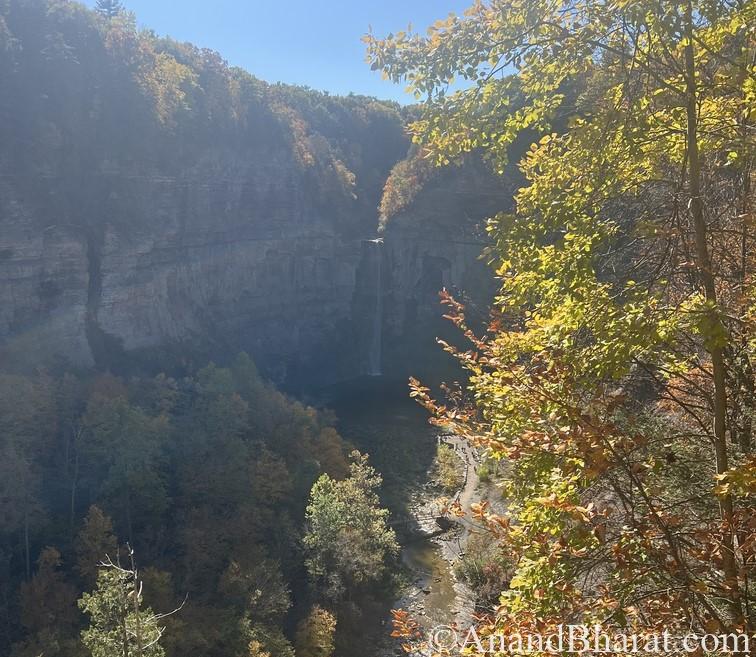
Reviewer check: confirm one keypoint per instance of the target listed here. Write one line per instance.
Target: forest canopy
(111, 443)
(89, 96)
(206, 479)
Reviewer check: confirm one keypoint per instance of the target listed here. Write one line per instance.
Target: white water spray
(374, 348)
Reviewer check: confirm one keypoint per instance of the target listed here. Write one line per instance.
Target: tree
(625, 269)
(258, 590)
(108, 8)
(256, 650)
(122, 450)
(315, 634)
(48, 609)
(348, 539)
(118, 625)
(20, 506)
(95, 542)
(47, 599)
(27, 425)
(448, 469)
(268, 641)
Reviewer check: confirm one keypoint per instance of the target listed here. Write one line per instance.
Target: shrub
(448, 469)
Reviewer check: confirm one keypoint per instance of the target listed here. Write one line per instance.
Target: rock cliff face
(205, 266)
(208, 267)
(436, 242)
(44, 283)
(158, 208)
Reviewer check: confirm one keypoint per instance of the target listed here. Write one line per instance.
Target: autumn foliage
(616, 375)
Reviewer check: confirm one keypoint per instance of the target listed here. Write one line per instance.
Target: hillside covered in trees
(207, 479)
(109, 136)
(92, 104)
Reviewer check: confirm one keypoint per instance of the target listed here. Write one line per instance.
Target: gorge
(159, 211)
(242, 219)
(291, 374)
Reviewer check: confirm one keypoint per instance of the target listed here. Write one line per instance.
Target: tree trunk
(747, 370)
(137, 617)
(716, 352)
(124, 615)
(74, 484)
(26, 540)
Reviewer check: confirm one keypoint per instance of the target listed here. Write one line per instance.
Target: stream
(378, 417)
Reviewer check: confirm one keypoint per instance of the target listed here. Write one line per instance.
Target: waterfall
(374, 346)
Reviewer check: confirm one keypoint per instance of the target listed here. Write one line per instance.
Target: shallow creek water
(377, 416)
(435, 580)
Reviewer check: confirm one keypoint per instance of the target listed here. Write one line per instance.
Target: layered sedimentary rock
(213, 266)
(44, 282)
(241, 262)
(436, 242)
(159, 208)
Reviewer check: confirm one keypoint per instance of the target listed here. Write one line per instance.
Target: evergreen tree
(109, 8)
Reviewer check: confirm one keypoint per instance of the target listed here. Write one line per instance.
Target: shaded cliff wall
(434, 242)
(211, 268)
(157, 206)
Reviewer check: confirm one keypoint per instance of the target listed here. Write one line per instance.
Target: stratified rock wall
(159, 208)
(245, 263)
(436, 242)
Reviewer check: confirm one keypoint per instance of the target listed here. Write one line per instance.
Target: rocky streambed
(377, 415)
(435, 596)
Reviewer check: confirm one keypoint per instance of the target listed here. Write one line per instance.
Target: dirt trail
(467, 494)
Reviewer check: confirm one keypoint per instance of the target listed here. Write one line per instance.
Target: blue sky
(314, 43)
